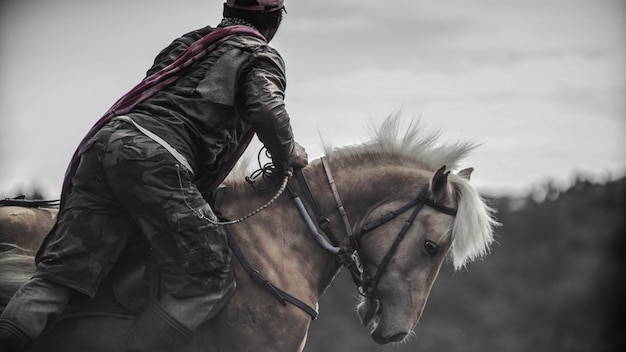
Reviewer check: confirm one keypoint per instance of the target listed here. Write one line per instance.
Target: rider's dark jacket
(233, 91)
(204, 114)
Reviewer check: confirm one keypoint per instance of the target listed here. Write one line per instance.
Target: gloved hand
(298, 158)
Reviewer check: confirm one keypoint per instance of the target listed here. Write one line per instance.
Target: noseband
(351, 256)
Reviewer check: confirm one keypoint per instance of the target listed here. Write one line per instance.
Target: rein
(282, 296)
(351, 256)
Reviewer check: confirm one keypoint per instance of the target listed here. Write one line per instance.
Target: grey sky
(540, 83)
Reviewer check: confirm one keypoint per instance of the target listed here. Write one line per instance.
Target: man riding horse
(146, 167)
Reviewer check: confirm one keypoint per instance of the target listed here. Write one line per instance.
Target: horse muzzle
(370, 312)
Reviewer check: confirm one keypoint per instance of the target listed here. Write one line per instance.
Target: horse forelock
(473, 226)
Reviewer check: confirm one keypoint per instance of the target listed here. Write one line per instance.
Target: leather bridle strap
(282, 296)
(419, 204)
(338, 202)
(441, 208)
(347, 256)
(393, 214)
(322, 221)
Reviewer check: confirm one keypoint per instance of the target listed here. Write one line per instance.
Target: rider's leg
(192, 254)
(169, 323)
(192, 298)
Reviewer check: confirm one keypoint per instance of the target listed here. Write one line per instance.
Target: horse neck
(278, 244)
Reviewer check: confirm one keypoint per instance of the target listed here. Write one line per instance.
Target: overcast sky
(541, 83)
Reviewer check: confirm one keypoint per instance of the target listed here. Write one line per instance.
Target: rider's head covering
(256, 5)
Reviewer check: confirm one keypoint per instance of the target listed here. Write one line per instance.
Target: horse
(390, 210)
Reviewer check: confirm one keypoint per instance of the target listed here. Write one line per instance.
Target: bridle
(351, 255)
(369, 283)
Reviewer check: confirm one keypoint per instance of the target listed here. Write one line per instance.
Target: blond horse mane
(475, 222)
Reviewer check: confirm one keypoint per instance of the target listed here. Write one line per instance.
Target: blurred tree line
(553, 282)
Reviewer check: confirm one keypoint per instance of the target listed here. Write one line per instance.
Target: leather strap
(282, 296)
(322, 221)
(178, 156)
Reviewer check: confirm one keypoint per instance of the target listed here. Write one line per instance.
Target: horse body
(25, 227)
(372, 181)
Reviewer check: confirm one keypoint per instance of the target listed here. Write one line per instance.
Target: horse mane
(391, 144)
(415, 146)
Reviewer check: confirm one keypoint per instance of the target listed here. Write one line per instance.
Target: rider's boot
(156, 331)
(13, 337)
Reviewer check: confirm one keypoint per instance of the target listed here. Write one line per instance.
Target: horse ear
(466, 173)
(439, 184)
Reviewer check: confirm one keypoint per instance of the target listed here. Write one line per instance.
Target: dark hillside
(552, 283)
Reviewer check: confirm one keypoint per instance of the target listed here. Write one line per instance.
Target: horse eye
(431, 247)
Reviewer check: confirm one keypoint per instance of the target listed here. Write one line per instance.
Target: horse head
(404, 256)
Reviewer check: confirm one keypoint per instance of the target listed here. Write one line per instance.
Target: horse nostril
(383, 340)
(398, 337)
